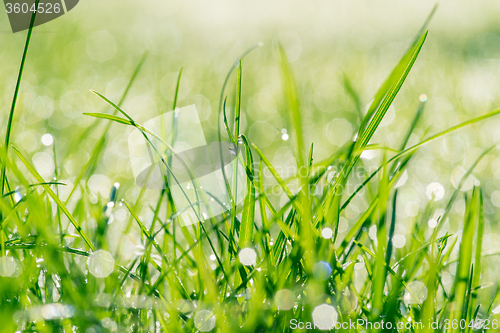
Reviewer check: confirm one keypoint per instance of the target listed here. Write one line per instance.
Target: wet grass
(259, 267)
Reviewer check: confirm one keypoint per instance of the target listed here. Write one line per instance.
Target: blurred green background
(97, 46)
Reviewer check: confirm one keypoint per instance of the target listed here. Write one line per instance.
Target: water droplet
(398, 241)
(322, 271)
(9, 267)
(284, 299)
(47, 139)
(213, 257)
(327, 233)
(284, 131)
(348, 301)
(248, 257)
(373, 232)
(285, 137)
(360, 263)
(17, 195)
(423, 98)
(109, 324)
(204, 320)
(101, 263)
(233, 150)
(57, 311)
(432, 223)
(324, 317)
(415, 293)
(435, 190)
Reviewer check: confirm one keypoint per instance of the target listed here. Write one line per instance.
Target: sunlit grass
(75, 261)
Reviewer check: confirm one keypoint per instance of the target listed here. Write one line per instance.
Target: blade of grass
(96, 152)
(16, 92)
(247, 216)
(459, 293)
(416, 146)
(54, 197)
(293, 104)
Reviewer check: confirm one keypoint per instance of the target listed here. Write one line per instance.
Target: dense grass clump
(74, 262)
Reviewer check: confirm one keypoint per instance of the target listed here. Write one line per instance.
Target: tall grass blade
(16, 92)
(54, 197)
(248, 213)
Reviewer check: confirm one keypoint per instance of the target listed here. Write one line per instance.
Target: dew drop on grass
(47, 139)
(432, 223)
(101, 263)
(233, 150)
(415, 293)
(284, 299)
(285, 137)
(398, 241)
(322, 271)
(248, 257)
(435, 190)
(423, 98)
(204, 320)
(348, 301)
(327, 233)
(57, 311)
(9, 267)
(17, 195)
(373, 232)
(324, 317)
(360, 263)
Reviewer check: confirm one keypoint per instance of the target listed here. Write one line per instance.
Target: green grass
(55, 275)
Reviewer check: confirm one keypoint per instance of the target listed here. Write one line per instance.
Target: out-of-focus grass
(84, 249)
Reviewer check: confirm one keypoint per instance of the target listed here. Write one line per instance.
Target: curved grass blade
(54, 197)
(16, 92)
(415, 147)
(353, 94)
(248, 213)
(96, 152)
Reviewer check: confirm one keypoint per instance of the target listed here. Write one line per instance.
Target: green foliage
(56, 275)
